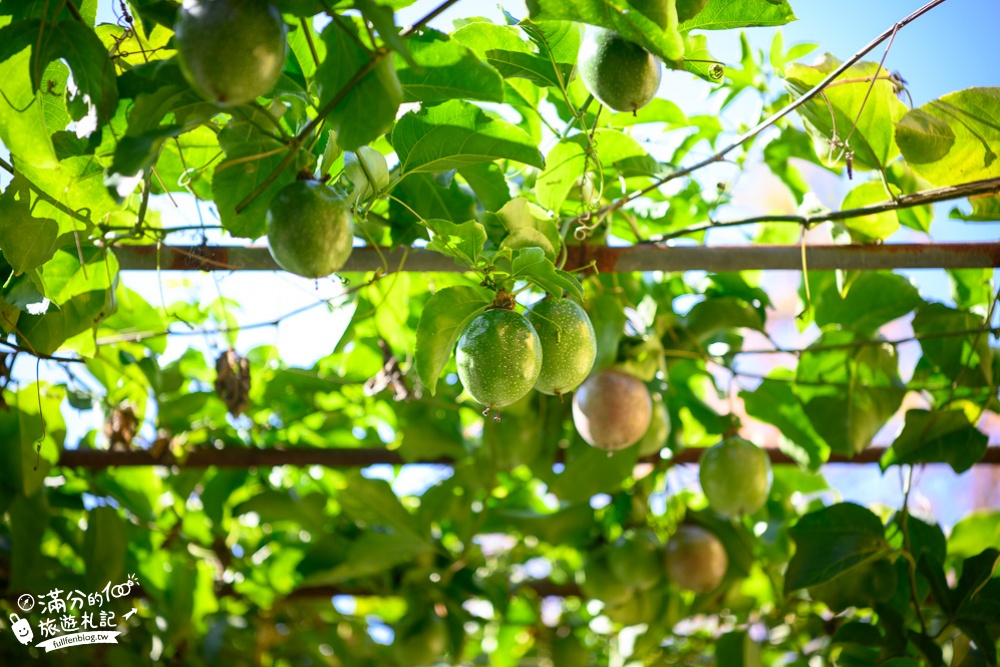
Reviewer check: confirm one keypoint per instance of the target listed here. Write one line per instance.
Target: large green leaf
(832, 540)
(366, 111)
(832, 115)
(63, 277)
(46, 333)
(105, 547)
(774, 402)
(505, 48)
(446, 70)
(370, 554)
(874, 226)
(939, 436)
(571, 158)
(850, 388)
(442, 321)
(868, 300)
(651, 25)
(737, 649)
(464, 242)
(373, 501)
(22, 115)
(966, 358)
(730, 14)
(456, 134)
(26, 241)
(953, 139)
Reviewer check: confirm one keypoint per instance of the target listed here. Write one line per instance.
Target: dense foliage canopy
(526, 545)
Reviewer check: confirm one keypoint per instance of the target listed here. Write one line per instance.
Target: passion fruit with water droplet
(499, 357)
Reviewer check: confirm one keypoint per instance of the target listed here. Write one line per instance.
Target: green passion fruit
(499, 357)
(569, 344)
(612, 410)
(230, 51)
(309, 229)
(695, 559)
(636, 560)
(735, 475)
(621, 74)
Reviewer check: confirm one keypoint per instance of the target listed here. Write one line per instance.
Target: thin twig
(990, 186)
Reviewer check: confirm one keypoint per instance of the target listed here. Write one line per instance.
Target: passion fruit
(735, 475)
(230, 51)
(569, 344)
(612, 410)
(621, 74)
(695, 559)
(309, 229)
(499, 357)
(636, 560)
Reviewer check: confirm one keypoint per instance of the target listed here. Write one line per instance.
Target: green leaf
(87, 57)
(608, 317)
(940, 436)
(430, 197)
(464, 242)
(519, 224)
(273, 506)
(710, 317)
(976, 572)
(652, 26)
(22, 115)
(505, 50)
(568, 161)
(737, 649)
(532, 265)
(46, 333)
(849, 392)
(984, 209)
(875, 226)
(869, 300)
(834, 112)
(774, 402)
(832, 540)
(971, 288)
(487, 180)
(962, 358)
(456, 134)
(27, 242)
(105, 547)
(63, 277)
(370, 554)
(730, 14)
(953, 139)
(591, 471)
(251, 156)
(446, 70)
(372, 501)
(367, 110)
(974, 533)
(442, 321)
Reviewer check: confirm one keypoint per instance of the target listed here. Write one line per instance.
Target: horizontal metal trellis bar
(647, 257)
(243, 458)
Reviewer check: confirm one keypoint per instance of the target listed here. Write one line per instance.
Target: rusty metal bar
(243, 458)
(607, 259)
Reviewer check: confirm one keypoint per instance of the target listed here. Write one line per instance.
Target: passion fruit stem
(504, 300)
